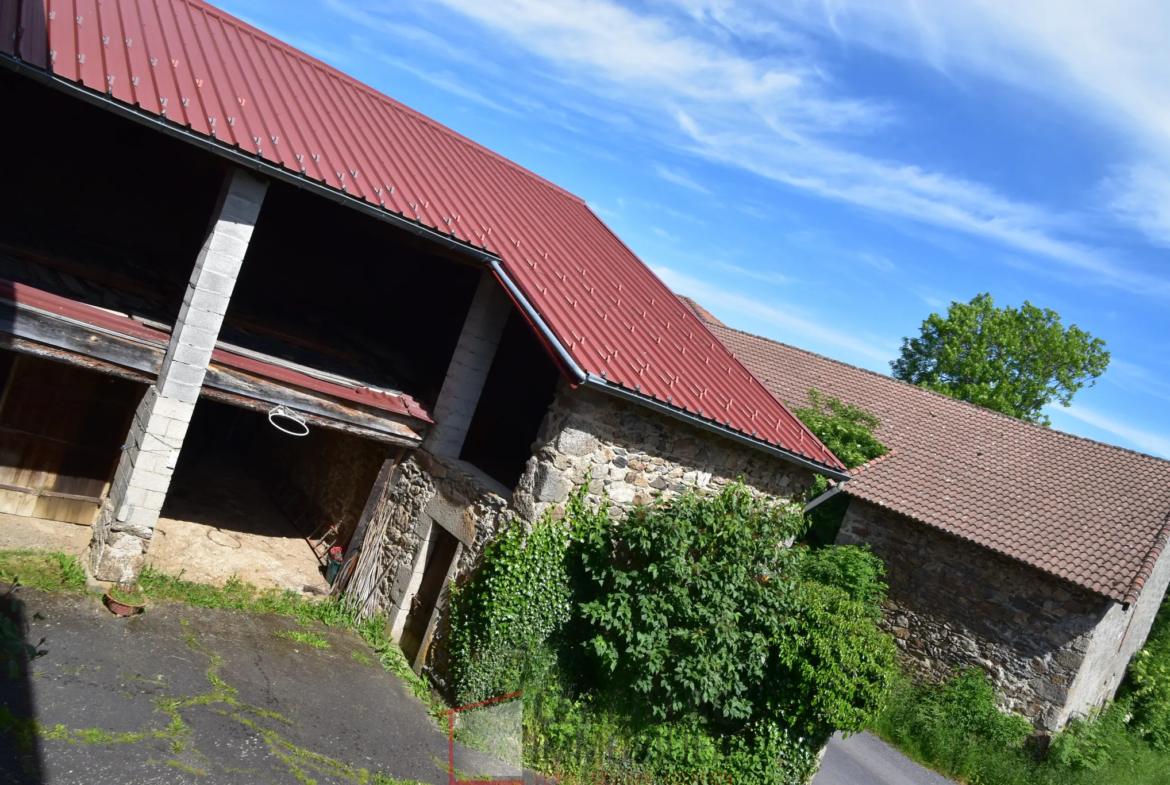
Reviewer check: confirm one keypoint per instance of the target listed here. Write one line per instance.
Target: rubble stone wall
(617, 449)
(631, 455)
(954, 604)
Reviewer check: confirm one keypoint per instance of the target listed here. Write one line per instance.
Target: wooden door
(61, 429)
(441, 551)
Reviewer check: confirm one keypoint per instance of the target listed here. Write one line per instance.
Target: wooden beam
(58, 338)
(385, 475)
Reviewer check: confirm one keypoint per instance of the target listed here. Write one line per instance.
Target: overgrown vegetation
(849, 432)
(844, 428)
(958, 730)
(691, 637)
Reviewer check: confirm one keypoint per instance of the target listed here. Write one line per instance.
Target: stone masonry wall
(630, 455)
(616, 448)
(458, 497)
(954, 604)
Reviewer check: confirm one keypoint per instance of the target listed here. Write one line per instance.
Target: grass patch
(945, 735)
(45, 571)
(314, 639)
(363, 659)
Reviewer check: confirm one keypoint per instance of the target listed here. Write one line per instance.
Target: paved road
(864, 759)
(196, 693)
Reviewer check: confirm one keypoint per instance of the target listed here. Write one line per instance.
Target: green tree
(1011, 360)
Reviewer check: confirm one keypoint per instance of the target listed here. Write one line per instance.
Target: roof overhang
(256, 163)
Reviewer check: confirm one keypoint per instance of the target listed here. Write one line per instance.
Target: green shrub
(1148, 685)
(843, 428)
(702, 608)
(516, 603)
(854, 569)
(1090, 742)
(689, 596)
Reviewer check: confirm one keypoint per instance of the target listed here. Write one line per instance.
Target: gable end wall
(954, 604)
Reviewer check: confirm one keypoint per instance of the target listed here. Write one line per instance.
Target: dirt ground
(219, 523)
(19, 532)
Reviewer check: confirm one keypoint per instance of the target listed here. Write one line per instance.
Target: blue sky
(828, 174)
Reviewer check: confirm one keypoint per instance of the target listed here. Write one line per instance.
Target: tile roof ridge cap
(373, 92)
(1152, 556)
(856, 470)
(992, 548)
(948, 399)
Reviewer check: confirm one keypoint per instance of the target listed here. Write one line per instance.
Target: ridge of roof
(946, 398)
(315, 62)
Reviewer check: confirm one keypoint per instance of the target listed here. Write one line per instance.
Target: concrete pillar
(126, 523)
(469, 368)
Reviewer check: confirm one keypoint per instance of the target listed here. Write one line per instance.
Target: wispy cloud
(658, 230)
(1146, 441)
(678, 177)
(781, 116)
(445, 80)
(758, 275)
(792, 328)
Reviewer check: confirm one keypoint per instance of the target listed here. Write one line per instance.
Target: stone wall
(1118, 637)
(617, 449)
(454, 495)
(630, 455)
(952, 603)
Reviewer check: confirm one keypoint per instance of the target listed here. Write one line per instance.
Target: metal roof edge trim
(239, 157)
(596, 382)
(537, 321)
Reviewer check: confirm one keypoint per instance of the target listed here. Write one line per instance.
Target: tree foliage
(843, 428)
(1012, 360)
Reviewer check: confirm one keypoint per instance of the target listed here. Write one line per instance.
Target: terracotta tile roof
(1091, 513)
(700, 311)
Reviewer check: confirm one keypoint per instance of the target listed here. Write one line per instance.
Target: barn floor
(219, 522)
(17, 531)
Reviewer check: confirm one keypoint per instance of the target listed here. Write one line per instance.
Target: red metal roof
(201, 68)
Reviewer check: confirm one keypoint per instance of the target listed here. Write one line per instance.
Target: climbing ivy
(518, 600)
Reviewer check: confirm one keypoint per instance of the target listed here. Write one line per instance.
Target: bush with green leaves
(700, 607)
(516, 603)
(844, 428)
(1147, 689)
(855, 569)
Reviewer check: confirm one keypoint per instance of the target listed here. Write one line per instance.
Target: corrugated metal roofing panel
(201, 68)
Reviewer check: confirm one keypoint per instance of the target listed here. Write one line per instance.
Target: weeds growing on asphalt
(314, 639)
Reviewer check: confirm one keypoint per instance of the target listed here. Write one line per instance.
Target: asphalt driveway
(187, 695)
(864, 759)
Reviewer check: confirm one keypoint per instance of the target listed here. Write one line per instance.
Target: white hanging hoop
(284, 413)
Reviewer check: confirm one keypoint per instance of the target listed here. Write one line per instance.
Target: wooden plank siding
(60, 432)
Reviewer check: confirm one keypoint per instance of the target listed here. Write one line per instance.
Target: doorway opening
(431, 571)
(250, 501)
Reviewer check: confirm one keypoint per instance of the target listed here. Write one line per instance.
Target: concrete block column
(469, 368)
(126, 523)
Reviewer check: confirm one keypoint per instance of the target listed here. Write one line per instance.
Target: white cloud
(758, 275)
(781, 115)
(678, 177)
(792, 328)
(1144, 440)
(1105, 60)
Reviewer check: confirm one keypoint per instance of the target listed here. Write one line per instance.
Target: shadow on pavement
(20, 753)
